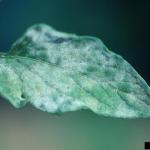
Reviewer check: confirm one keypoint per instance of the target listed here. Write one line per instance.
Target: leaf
(59, 72)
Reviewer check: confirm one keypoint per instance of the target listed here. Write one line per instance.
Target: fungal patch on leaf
(59, 72)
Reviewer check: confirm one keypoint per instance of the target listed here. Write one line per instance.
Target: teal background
(124, 28)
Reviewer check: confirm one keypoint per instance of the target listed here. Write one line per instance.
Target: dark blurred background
(124, 26)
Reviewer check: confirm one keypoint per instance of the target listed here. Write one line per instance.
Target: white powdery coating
(77, 72)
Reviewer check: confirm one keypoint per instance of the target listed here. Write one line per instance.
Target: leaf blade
(110, 84)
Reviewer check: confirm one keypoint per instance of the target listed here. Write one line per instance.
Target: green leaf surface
(59, 72)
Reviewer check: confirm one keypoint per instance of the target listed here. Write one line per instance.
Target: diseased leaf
(59, 72)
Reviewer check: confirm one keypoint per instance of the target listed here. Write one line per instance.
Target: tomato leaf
(59, 72)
